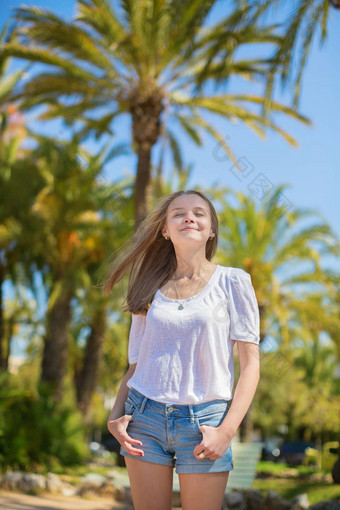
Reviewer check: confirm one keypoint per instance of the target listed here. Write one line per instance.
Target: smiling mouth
(189, 228)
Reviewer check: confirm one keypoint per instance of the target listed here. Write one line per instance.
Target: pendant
(180, 307)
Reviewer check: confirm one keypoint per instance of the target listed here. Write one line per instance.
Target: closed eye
(197, 214)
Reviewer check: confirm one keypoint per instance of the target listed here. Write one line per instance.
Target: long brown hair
(150, 258)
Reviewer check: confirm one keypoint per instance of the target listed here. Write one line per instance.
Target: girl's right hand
(118, 429)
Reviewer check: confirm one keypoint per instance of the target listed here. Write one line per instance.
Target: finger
(198, 448)
(126, 437)
(135, 441)
(132, 450)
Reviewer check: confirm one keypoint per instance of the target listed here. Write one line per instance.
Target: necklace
(180, 306)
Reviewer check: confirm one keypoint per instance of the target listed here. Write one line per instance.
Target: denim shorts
(170, 432)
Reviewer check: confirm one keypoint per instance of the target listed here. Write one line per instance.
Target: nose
(188, 218)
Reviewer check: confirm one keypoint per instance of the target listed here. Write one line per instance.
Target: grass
(288, 489)
(298, 482)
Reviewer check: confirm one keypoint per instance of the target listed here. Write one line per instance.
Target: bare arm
(118, 421)
(246, 386)
(118, 409)
(216, 440)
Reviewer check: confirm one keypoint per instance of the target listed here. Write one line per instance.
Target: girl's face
(188, 220)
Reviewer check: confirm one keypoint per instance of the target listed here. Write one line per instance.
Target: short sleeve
(136, 332)
(243, 308)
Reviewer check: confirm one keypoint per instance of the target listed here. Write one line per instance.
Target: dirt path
(18, 501)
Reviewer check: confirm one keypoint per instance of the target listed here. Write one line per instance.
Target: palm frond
(175, 149)
(44, 56)
(308, 15)
(76, 110)
(188, 124)
(99, 15)
(275, 106)
(218, 137)
(121, 149)
(316, 17)
(186, 19)
(220, 71)
(56, 84)
(69, 38)
(8, 83)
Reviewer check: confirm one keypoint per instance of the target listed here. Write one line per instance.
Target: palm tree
(312, 409)
(70, 228)
(12, 133)
(306, 17)
(268, 243)
(144, 59)
(95, 309)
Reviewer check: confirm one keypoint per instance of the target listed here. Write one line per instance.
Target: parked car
(294, 452)
(328, 455)
(270, 450)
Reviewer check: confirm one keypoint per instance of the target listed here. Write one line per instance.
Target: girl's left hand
(214, 443)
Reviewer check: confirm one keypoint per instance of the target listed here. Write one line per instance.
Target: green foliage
(37, 432)
(291, 487)
(300, 479)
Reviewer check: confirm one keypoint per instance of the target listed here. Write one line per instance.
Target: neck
(190, 269)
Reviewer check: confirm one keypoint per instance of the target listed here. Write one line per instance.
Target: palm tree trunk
(142, 184)
(54, 363)
(3, 356)
(146, 111)
(87, 379)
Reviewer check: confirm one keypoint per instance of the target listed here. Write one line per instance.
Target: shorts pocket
(213, 418)
(131, 409)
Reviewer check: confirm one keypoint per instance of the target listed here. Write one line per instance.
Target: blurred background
(104, 107)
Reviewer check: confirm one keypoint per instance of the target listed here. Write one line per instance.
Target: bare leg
(203, 491)
(151, 484)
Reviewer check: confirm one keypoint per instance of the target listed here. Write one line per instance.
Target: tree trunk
(142, 184)
(87, 379)
(54, 363)
(246, 426)
(336, 469)
(146, 109)
(3, 354)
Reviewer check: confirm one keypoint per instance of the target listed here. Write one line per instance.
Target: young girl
(172, 409)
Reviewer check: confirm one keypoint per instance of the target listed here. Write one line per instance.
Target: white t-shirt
(186, 356)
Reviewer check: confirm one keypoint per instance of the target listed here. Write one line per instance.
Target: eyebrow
(175, 208)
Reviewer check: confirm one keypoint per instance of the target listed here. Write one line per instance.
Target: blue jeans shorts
(170, 432)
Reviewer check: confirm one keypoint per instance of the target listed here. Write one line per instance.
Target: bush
(36, 432)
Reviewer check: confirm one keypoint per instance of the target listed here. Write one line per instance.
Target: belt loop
(143, 404)
(192, 415)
